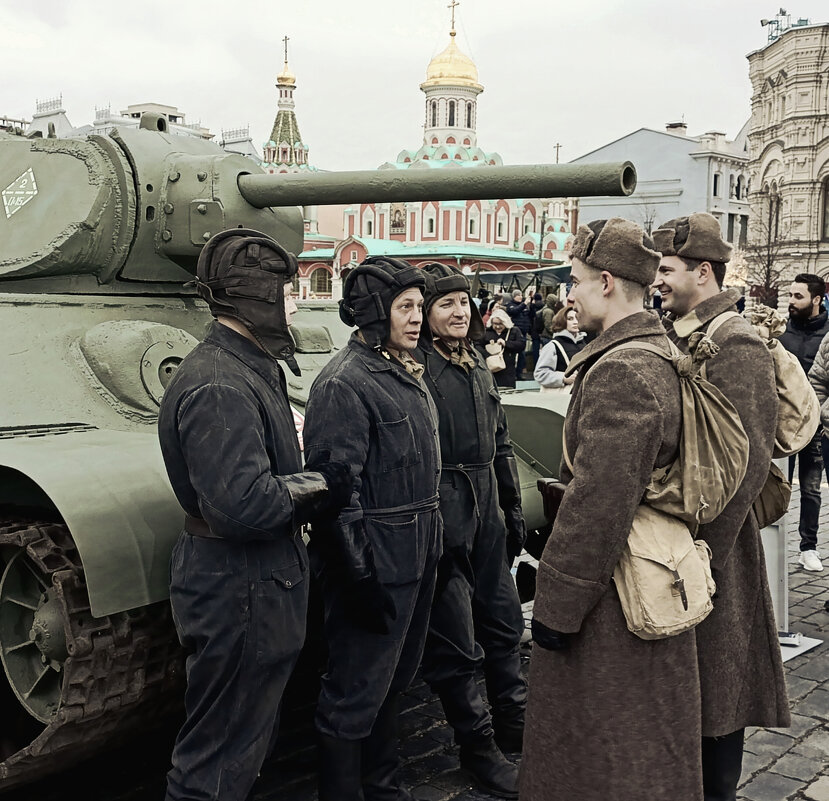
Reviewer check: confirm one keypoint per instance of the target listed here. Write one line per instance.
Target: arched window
(451, 112)
(468, 115)
(434, 114)
(321, 281)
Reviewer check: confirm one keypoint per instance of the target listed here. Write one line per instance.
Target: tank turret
(137, 206)
(99, 238)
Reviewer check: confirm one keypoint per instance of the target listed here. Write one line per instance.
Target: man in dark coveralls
(741, 669)
(476, 615)
(238, 577)
(377, 559)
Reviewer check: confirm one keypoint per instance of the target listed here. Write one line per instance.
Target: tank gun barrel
(479, 183)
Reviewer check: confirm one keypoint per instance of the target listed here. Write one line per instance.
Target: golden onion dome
(286, 77)
(451, 68)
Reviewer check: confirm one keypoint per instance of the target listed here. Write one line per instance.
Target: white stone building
(789, 142)
(677, 174)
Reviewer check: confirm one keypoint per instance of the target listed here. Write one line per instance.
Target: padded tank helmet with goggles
(369, 291)
(242, 273)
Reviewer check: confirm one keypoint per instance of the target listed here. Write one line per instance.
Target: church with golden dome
(284, 151)
(499, 234)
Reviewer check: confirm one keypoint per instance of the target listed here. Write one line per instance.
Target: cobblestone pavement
(793, 763)
(778, 763)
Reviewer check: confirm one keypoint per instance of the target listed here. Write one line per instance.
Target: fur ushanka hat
(697, 236)
(619, 246)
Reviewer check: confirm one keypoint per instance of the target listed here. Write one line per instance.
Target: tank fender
(536, 422)
(111, 489)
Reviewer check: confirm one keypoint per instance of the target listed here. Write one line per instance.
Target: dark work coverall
(476, 616)
(367, 411)
(239, 596)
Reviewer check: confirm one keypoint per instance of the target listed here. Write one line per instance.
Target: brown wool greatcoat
(612, 716)
(741, 670)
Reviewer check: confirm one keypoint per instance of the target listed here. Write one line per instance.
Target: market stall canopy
(508, 280)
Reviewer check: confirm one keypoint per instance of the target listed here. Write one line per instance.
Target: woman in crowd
(501, 331)
(555, 356)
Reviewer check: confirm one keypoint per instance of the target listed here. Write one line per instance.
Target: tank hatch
(312, 338)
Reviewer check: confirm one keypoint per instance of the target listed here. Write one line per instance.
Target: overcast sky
(581, 73)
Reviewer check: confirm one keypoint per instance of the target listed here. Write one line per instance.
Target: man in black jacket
(377, 558)
(476, 616)
(238, 584)
(808, 324)
(519, 313)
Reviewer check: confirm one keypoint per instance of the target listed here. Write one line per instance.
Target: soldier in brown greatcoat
(609, 716)
(741, 670)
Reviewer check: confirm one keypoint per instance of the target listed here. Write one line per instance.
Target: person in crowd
(556, 355)
(808, 325)
(482, 299)
(741, 671)
(609, 715)
(552, 305)
(519, 312)
(819, 379)
(238, 571)
(501, 330)
(376, 560)
(536, 325)
(476, 617)
(497, 302)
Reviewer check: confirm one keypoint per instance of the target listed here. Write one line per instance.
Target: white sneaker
(810, 561)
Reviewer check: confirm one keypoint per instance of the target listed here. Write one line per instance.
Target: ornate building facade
(500, 233)
(789, 143)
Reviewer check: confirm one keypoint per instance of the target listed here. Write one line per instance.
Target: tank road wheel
(75, 684)
(32, 637)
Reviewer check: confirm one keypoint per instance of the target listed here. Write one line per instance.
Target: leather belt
(417, 507)
(198, 528)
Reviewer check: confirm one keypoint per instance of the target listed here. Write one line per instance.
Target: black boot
(509, 733)
(380, 758)
(506, 691)
(465, 709)
(722, 764)
(339, 769)
(491, 771)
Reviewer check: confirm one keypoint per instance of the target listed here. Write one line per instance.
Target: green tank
(99, 238)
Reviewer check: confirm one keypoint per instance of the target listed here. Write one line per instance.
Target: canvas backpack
(798, 410)
(663, 577)
(798, 413)
(713, 447)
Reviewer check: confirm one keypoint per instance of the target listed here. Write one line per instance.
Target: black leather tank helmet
(441, 279)
(242, 273)
(369, 291)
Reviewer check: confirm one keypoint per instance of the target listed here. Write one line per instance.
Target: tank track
(123, 672)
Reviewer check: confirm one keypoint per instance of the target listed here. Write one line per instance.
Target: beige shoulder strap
(718, 321)
(648, 346)
(712, 327)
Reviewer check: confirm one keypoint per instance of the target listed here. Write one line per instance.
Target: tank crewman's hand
(340, 484)
(548, 639)
(369, 605)
(516, 533)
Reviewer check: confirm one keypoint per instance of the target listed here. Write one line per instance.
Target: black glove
(516, 533)
(340, 484)
(369, 605)
(548, 639)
